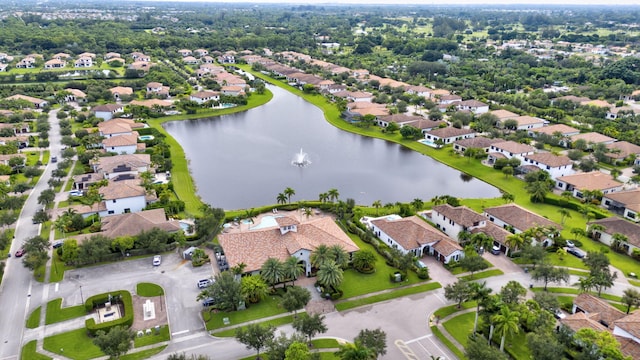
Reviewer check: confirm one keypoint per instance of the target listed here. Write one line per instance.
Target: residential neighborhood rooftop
(594, 180)
(519, 217)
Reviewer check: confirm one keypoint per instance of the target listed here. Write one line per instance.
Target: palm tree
(481, 240)
(576, 232)
(508, 197)
(417, 204)
(564, 213)
(479, 292)
(289, 192)
(272, 271)
(320, 256)
(281, 199)
(464, 237)
(330, 275)
(585, 284)
(307, 212)
(340, 256)
(615, 173)
(538, 190)
(293, 269)
(333, 194)
(630, 298)
(377, 205)
(437, 200)
(323, 197)
(507, 323)
(355, 351)
(514, 241)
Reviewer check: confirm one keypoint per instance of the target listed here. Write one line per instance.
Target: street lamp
(81, 297)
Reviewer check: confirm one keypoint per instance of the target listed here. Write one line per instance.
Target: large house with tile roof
(517, 219)
(132, 224)
(107, 111)
(509, 149)
(289, 237)
(454, 220)
(479, 142)
(449, 134)
(594, 180)
(621, 150)
(590, 138)
(120, 91)
(37, 103)
(109, 167)
(555, 165)
(616, 225)
(122, 144)
(555, 129)
(122, 197)
(625, 203)
(414, 235)
(528, 122)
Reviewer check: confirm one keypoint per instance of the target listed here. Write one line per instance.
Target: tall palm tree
(514, 242)
(479, 292)
(564, 213)
(417, 204)
(281, 198)
(437, 200)
(355, 351)
(323, 197)
(377, 205)
(289, 192)
(481, 240)
(333, 194)
(293, 269)
(272, 271)
(320, 255)
(507, 323)
(630, 298)
(330, 275)
(340, 257)
(464, 237)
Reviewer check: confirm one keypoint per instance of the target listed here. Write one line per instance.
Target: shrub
(423, 273)
(123, 297)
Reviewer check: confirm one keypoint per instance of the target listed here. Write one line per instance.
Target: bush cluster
(122, 297)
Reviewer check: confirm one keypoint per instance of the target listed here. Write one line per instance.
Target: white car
(157, 260)
(75, 193)
(570, 244)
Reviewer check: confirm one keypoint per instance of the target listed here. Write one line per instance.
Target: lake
(244, 160)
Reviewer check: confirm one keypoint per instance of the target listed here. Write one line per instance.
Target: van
(204, 283)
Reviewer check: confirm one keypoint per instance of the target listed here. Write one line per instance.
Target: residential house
(478, 142)
(120, 91)
(141, 66)
(201, 52)
(497, 233)
(289, 237)
(594, 180)
(87, 54)
(202, 97)
(616, 225)
(122, 144)
(113, 128)
(454, 220)
(528, 122)
(3, 67)
(517, 219)
(623, 111)
(226, 79)
(54, 64)
(17, 128)
(4, 159)
(414, 235)
(190, 60)
(132, 224)
(625, 203)
(475, 106)
(111, 55)
(503, 115)
(122, 197)
(560, 130)
(449, 99)
(555, 165)
(418, 90)
(61, 56)
(151, 103)
(509, 149)
(107, 111)
(84, 182)
(110, 167)
(75, 95)
(232, 90)
(26, 63)
(37, 103)
(425, 125)
(399, 119)
(185, 52)
(227, 58)
(156, 88)
(83, 61)
(448, 135)
(208, 60)
(140, 57)
(590, 138)
(360, 96)
(621, 150)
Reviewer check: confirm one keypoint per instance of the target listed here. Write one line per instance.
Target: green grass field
(350, 304)
(149, 290)
(57, 314)
(269, 306)
(29, 352)
(154, 338)
(287, 319)
(74, 344)
(33, 321)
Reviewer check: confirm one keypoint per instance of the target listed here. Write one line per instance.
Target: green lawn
(460, 327)
(482, 274)
(154, 338)
(58, 267)
(451, 309)
(267, 307)
(149, 290)
(350, 304)
(275, 322)
(561, 290)
(325, 343)
(74, 344)
(144, 354)
(29, 352)
(57, 314)
(33, 321)
(454, 349)
(459, 269)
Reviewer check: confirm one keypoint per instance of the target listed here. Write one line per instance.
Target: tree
(534, 253)
(41, 216)
(538, 190)
(377, 205)
(115, 343)
(297, 351)
(507, 323)
(417, 204)
(330, 275)
(36, 244)
(564, 213)
(545, 346)
(548, 273)
(599, 344)
(458, 292)
(293, 268)
(477, 349)
(289, 192)
(514, 242)
(548, 302)
(364, 260)
(600, 274)
(281, 198)
(253, 288)
(273, 271)
(473, 263)
(339, 256)
(46, 197)
(309, 325)
(355, 351)
(478, 292)
(255, 336)
(376, 340)
(320, 255)
(123, 243)
(631, 297)
(508, 197)
(225, 290)
(512, 293)
(333, 194)
(507, 171)
(295, 299)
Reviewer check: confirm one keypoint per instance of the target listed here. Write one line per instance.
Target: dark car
(57, 244)
(54, 159)
(575, 252)
(20, 252)
(208, 302)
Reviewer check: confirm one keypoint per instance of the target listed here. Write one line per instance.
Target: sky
(434, 2)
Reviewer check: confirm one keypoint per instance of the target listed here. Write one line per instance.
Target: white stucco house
(122, 144)
(594, 180)
(555, 165)
(107, 111)
(122, 197)
(454, 220)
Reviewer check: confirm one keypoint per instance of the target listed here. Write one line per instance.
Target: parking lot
(178, 278)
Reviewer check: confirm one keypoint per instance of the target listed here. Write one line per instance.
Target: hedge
(100, 299)
(573, 206)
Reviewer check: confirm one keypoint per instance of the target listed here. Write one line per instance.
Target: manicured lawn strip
(58, 267)
(149, 290)
(29, 352)
(33, 321)
(325, 343)
(578, 272)
(275, 322)
(454, 349)
(459, 269)
(269, 306)
(451, 309)
(576, 292)
(57, 314)
(183, 183)
(634, 283)
(144, 354)
(516, 345)
(387, 296)
(460, 327)
(32, 158)
(154, 338)
(482, 274)
(621, 307)
(45, 156)
(74, 344)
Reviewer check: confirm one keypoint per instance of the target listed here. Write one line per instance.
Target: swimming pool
(266, 222)
(428, 143)
(145, 137)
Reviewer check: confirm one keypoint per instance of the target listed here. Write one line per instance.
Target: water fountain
(301, 159)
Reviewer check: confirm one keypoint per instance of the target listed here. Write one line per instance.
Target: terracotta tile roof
(615, 224)
(629, 199)
(573, 98)
(514, 147)
(552, 129)
(581, 320)
(477, 142)
(503, 114)
(121, 140)
(596, 103)
(122, 189)
(134, 223)
(446, 247)
(461, 215)
(594, 180)
(108, 128)
(449, 132)
(400, 118)
(411, 232)
(528, 120)
(592, 305)
(76, 92)
(286, 221)
(151, 103)
(629, 347)
(630, 324)
(494, 231)
(129, 122)
(592, 137)
(518, 217)
(122, 90)
(30, 99)
(423, 124)
(471, 103)
(107, 108)
(547, 158)
(254, 247)
(109, 163)
(622, 149)
(365, 105)
(81, 209)
(376, 111)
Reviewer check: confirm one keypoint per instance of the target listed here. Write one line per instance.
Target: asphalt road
(18, 289)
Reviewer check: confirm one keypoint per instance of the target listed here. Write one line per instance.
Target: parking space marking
(418, 339)
(179, 332)
(406, 351)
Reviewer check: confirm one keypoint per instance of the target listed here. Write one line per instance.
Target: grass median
(410, 290)
(56, 313)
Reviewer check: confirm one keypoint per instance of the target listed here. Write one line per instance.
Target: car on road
(157, 260)
(54, 159)
(208, 302)
(204, 283)
(575, 252)
(20, 252)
